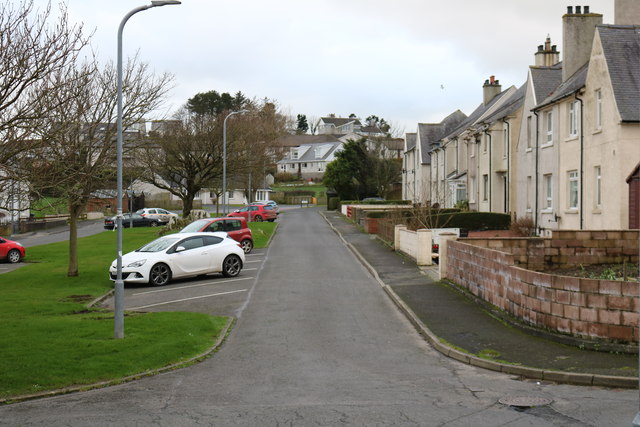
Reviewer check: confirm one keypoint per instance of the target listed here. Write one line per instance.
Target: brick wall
(496, 271)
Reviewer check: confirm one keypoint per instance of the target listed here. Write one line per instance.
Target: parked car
(181, 255)
(256, 213)
(157, 213)
(236, 228)
(11, 251)
(269, 203)
(138, 221)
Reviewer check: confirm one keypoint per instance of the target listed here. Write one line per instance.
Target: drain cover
(524, 401)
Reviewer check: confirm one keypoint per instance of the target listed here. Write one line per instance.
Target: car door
(4, 248)
(194, 258)
(233, 228)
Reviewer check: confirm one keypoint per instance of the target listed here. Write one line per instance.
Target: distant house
(345, 126)
(307, 156)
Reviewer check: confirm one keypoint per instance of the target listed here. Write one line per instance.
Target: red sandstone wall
(584, 307)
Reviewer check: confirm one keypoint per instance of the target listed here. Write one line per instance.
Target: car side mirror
(237, 210)
(180, 249)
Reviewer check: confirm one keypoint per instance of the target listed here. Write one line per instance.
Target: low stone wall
(495, 270)
(415, 244)
(568, 248)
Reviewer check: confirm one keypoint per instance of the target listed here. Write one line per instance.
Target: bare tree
(187, 156)
(33, 50)
(77, 155)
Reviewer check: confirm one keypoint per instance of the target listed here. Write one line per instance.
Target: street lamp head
(157, 3)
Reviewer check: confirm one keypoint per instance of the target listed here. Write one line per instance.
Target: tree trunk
(74, 213)
(187, 206)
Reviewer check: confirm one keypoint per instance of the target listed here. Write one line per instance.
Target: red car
(236, 228)
(11, 251)
(256, 213)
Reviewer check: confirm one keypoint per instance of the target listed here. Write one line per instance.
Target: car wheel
(247, 245)
(272, 220)
(160, 275)
(154, 223)
(231, 266)
(13, 256)
(257, 218)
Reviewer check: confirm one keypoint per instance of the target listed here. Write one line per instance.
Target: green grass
(319, 189)
(262, 232)
(50, 340)
(49, 206)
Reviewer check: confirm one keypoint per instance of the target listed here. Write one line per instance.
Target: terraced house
(564, 147)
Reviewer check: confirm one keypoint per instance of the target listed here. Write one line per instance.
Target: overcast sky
(408, 61)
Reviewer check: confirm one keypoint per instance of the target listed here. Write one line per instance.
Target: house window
(548, 191)
(461, 192)
(485, 187)
(549, 127)
(573, 119)
(598, 99)
(528, 193)
(294, 155)
(573, 189)
(529, 133)
(598, 195)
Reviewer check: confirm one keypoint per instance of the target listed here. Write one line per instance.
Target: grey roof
(545, 80)
(621, 46)
(474, 117)
(431, 133)
(339, 121)
(304, 139)
(310, 155)
(510, 106)
(567, 88)
(410, 139)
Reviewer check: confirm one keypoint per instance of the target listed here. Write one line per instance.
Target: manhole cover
(524, 401)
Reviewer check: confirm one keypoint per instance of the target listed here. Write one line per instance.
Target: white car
(181, 255)
(157, 213)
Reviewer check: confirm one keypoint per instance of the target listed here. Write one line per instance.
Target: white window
(294, 154)
(548, 191)
(573, 118)
(573, 189)
(549, 126)
(529, 133)
(598, 100)
(598, 195)
(485, 187)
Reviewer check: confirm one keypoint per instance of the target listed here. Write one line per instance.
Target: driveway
(317, 342)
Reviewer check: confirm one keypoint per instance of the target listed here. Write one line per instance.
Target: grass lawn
(262, 232)
(317, 188)
(50, 340)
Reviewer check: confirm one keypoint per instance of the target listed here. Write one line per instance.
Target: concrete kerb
(520, 371)
(117, 381)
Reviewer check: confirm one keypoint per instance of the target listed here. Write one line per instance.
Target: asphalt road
(317, 342)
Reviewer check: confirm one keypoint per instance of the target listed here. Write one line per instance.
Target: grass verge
(262, 232)
(51, 340)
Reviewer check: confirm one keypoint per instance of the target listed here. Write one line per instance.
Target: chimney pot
(554, 48)
(493, 79)
(578, 10)
(540, 48)
(586, 9)
(570, 10)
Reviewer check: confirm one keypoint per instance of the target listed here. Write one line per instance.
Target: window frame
(573, 189)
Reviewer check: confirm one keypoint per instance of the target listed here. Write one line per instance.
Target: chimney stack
(490, 89)
(626, 12)
(577, 39)
(547, 55)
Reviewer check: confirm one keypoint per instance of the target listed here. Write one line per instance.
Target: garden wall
(499, 271)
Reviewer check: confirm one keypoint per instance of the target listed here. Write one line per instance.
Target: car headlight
(137, 263)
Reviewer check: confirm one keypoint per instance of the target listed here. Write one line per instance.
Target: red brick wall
(493, 269)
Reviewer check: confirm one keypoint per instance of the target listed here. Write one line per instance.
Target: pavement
(463, 329)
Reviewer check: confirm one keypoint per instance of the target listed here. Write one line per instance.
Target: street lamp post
(224, 159)
(119, 284)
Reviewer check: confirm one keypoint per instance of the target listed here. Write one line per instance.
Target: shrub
(523, 226)
(286, 177)
(377, 214)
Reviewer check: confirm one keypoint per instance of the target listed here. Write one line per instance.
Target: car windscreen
(159, 244)
(195, 226)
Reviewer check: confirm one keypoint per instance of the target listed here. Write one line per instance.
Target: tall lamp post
(119, 284)
(224, 159)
